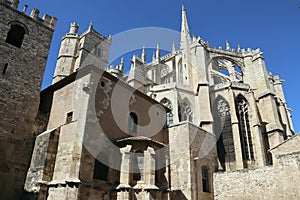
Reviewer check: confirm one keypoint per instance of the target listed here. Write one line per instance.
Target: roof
(144, 139)
(85, 70)
(296, 135)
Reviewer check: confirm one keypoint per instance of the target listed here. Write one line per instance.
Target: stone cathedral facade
(197, 123)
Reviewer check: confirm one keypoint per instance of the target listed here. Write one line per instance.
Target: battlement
(47, 20)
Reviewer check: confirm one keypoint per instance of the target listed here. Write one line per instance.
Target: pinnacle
(182, 7)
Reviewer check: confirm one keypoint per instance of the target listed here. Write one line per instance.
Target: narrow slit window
(205, 179)
(4, 68)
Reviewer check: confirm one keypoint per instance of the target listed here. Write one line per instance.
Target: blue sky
(273, 26)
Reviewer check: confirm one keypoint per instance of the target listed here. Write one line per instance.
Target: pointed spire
(184, 23)
(91, 26)
(227, 45)
(144, 54)
(153, 57)
(110, 37)
(239, 48)
(185, 32)
(121, 68)
(173, 47)
(158, 52)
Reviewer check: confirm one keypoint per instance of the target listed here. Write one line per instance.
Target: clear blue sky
(273, 26)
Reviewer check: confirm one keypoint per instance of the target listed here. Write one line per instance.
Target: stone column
(123, 195)
(204, 118)
(285, 119)
(275, 137)
(149, 170)
(235, 132)
(256, 132)
(288, 110)
(124, 186)
(175, 107)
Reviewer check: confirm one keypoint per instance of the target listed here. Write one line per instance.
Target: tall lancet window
(223, 131)
(180, 72)
(242, 112)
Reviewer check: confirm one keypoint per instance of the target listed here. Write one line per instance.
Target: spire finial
(158, 52)
(153, 57)
(227, 45)
(74, 28)
(144, 54)
(182, 7)
(91, 26)
(173, 47)
(121, 66)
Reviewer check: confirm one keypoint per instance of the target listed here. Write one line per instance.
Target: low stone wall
(267, 183)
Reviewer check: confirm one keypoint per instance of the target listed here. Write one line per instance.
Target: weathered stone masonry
(20, 83)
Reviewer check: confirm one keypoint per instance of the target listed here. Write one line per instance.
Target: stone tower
(24, 46)
(89, 48)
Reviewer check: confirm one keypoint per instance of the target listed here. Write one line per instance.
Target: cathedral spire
(184, 23)
(185, 32)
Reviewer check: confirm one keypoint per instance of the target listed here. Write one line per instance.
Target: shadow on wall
(177, 195)
(29, 196)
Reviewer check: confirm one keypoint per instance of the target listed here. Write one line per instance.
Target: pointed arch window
(180, 72)
(101, 168)
(167, 103)
(185, 112)
(223, 130)
(132, 122)
(242, 112)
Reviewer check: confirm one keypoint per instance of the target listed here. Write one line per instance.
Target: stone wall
(267, 183)
(19, 99)
(191, 148)
(42, 162)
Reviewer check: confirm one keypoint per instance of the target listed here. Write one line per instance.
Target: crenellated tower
(24, 45)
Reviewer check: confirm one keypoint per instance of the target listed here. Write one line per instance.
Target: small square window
(102, 84)
(69, 117)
